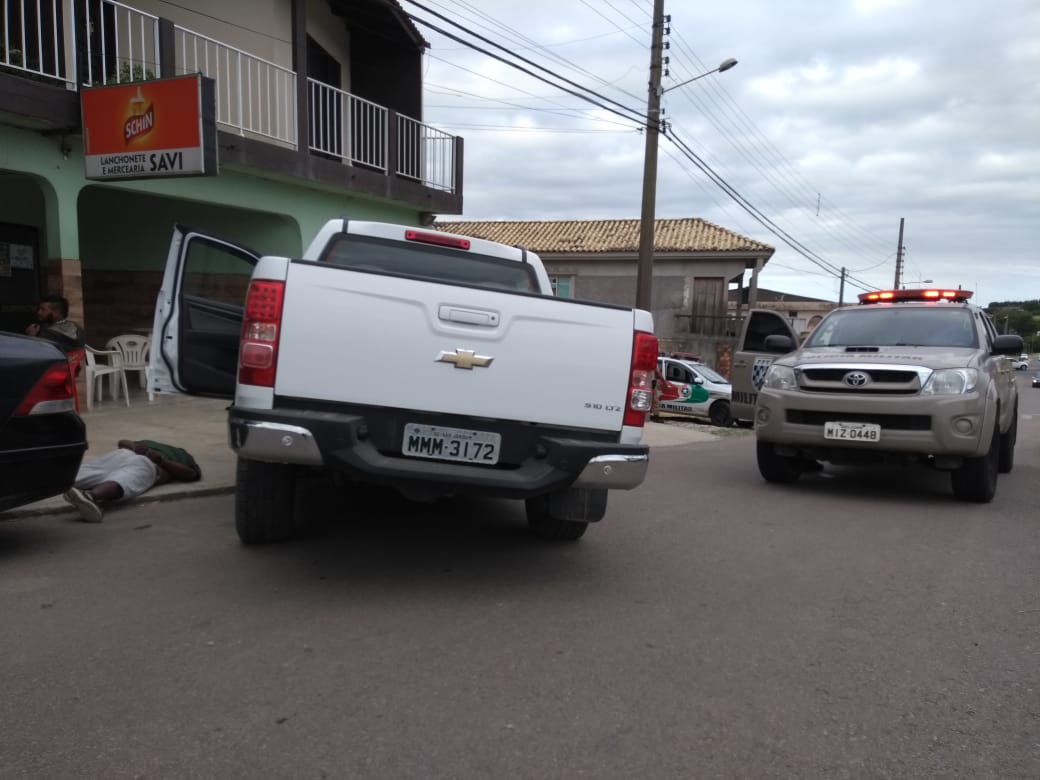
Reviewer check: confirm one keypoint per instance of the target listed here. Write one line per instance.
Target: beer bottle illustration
(140, 117)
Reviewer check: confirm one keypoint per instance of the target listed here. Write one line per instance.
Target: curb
(149, 498)
(668, 432)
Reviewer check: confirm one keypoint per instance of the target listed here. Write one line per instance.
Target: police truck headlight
(780, 378)
(951, 381)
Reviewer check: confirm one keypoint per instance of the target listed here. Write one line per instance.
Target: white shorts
(132, 472)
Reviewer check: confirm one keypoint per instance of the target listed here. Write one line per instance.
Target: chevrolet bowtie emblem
(464, 358)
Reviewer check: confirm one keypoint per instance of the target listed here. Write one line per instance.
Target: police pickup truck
(906, 376)
(434, 363)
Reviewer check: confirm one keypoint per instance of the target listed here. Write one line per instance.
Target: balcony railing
(356, 130)
(347, 127)
(95, 42)
(32, 39)
(425, 154)
(122, 43)
(254, 96)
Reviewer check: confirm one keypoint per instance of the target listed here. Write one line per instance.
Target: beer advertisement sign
(150, 129)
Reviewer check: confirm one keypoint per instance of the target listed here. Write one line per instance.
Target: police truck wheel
(264, 500)
(976, 479)
(782, 469)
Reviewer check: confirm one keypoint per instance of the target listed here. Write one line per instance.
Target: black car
(1036, 380)
(42, 438)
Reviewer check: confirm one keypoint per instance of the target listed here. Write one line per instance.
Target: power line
(627, 113)
(779, 165)
(773, 174)
(767, 223)
(603, 16)
(624, 111)
(564, 111)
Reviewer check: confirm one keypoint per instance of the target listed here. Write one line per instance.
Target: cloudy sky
(842, 117)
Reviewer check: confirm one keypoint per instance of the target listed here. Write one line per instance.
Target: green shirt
(171, 453)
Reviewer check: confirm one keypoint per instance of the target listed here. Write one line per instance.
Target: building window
(563, 286)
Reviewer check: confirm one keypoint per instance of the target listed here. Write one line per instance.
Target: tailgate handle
(468, 316)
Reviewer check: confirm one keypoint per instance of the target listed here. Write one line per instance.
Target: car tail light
(640, 396)
(52, 393)
(261, 327)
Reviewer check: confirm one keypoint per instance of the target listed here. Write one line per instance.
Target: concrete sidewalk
(199, 425)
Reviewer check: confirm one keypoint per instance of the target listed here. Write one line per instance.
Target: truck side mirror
(1007, 345)
(779, 344)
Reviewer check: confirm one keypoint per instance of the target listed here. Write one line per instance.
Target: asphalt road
(858, 624)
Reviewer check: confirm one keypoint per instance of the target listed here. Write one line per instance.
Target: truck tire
(1007, 446)
(976, 479)
(720, 414)
(264, 500)
(782, 469)
(565, 514)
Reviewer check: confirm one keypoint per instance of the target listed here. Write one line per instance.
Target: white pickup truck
(434, 363)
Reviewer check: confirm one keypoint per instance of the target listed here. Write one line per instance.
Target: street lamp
(645, 267)
(921, 281)
(723, 66)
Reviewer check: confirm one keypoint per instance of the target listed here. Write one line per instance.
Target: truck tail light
(641, 378)
(440, 239)
(52, 393)
(261, 328)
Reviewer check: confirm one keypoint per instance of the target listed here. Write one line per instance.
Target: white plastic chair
(134, 351)
(110, 365)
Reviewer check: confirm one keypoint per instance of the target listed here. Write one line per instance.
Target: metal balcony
(255, 97)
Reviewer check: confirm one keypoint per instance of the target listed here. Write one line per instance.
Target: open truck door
(198, 315)
(753, 356)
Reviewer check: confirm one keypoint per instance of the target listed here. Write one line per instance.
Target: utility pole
(645, 268)
(841, 288)
(899, 256)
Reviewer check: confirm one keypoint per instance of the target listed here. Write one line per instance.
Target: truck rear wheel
(778, 468)
(565, 514)
(976, 479)
(264, 499)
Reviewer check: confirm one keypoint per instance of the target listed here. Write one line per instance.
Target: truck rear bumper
(347, 443)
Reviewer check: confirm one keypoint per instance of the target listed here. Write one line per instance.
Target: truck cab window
(430, 263)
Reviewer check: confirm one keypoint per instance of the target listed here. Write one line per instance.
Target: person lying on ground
(126, 472)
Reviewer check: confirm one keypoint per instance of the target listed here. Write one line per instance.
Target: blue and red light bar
(928, 294)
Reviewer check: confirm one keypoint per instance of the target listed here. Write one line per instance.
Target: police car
(693, 389)
(907, 376)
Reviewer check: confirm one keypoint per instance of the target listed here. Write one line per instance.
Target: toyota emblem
(856, 378)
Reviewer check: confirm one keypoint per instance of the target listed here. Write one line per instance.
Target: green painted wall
(127, 225)
(56, 164)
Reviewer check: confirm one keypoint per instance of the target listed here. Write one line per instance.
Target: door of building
(20, 276)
